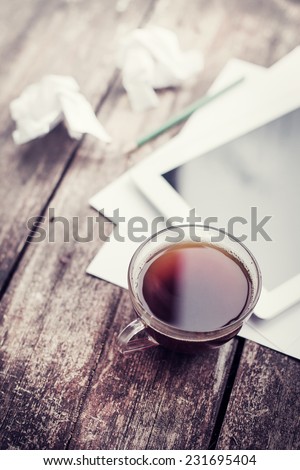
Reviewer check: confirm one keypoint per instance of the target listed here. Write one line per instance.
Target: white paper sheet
(281, 333)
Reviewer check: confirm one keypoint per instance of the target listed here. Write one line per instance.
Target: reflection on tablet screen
(260, 170)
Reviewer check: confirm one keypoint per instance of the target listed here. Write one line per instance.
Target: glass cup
(147, 330)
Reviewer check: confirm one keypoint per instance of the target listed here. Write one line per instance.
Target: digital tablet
(250, 186)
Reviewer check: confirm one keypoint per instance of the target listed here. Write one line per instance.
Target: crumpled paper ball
(43, 105)
(151, 59)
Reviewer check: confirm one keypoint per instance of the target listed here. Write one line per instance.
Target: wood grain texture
(63, 383)
(54, 323)
(263, 412)
(151, 400)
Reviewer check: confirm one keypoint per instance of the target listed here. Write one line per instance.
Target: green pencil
(185, 114)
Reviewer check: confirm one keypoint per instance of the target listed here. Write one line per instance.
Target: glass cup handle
(127, 344)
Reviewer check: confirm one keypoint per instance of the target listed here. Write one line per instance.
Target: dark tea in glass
(190, 295)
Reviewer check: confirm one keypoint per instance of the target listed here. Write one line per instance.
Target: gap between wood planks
(51, 196)
(227, 393)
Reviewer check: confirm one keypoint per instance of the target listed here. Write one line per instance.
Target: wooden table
(63, 383)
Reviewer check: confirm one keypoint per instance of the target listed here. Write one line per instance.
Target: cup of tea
(192, 287)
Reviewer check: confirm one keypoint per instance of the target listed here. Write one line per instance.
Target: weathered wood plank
(16, 19)
(151, 400)
(263, 412)
(54, 323)
(68, 38)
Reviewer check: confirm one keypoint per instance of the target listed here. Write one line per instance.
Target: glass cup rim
(150, 320)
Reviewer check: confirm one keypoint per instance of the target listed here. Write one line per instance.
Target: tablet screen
(253, 180)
